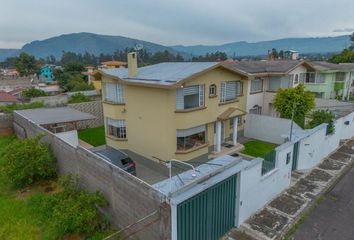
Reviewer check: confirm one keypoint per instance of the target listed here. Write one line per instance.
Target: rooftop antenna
(137, 48)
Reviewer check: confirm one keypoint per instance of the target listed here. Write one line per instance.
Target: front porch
(227, 148)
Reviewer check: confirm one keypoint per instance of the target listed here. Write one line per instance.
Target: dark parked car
(118, 158)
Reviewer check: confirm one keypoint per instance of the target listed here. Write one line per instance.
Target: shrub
(26, 161)
(78, 98)
(13, 107)
(322, 116)
(72, 210)
(33, 92)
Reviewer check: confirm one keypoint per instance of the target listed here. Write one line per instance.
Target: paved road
(334, 218)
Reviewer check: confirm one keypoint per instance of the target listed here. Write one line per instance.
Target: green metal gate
(209, 214)
(295, 156)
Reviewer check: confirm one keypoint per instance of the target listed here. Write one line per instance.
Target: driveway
(334, 217)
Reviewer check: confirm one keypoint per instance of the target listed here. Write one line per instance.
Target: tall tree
(26, 65)
(294, 102)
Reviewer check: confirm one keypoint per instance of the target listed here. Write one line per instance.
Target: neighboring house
(330, 81)
(7, 98)
(266, 77)
(112, 64)
(169, 111)
(46, 74)
(17, 92)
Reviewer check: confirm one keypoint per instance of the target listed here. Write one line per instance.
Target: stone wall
(94, 108)
(130, 199)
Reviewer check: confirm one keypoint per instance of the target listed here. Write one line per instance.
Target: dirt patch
(329, 164)
(302, 187)
(318, 176)
(347, 150)
(6, 132)
(239, 235)
(74, 237)
(268, 222)
(340, 157)
(48, 188)
(287, 204)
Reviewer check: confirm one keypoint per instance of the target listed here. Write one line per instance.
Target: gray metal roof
(162, 73)
(54, 115)
(254, 67)
(325, 66)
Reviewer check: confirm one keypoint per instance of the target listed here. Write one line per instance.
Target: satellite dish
(138, 47)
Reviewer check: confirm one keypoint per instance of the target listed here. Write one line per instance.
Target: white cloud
(174, 21)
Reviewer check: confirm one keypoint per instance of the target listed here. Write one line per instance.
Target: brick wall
(94, 108)
(130, 199)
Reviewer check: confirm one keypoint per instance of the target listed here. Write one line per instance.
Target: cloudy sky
(173, 22)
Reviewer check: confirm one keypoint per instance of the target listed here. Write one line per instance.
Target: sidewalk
(275, 219)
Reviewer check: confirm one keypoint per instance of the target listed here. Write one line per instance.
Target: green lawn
(19, 219)
(93, 136)
(258, 148)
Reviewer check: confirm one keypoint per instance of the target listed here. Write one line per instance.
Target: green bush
(24, 162)
(78, 98)
(13, 107)
(72, 210)
(322, 116)
(33, 92)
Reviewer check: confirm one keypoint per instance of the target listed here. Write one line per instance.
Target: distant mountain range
(97, 44)
(302, 45)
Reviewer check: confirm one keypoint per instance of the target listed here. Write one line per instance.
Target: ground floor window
(256, 110)
(116, 128)
(191, 138)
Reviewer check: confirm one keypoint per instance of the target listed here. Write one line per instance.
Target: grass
(93, 136)
(258, 148)
(19, 220)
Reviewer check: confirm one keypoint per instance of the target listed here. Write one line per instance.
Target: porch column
(218, 136)
(234, 133)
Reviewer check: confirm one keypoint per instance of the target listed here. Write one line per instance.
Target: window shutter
(190, 90)
(223, 92)
(231, 88)
(190, 131)
(179, 99)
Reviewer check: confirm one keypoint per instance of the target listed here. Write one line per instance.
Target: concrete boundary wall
(266, 128)
(257, 190)
(316, 145)
(130, 199)
(6, 120)
(94, 108)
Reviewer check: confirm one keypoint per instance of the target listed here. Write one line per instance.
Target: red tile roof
(7, 97)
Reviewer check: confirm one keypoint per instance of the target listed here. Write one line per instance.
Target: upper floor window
(230, 90)
(212, 90)
(116, 128)
(190, 97)
(113, 92)
(296, 79)
(256, 85)
(340, 76)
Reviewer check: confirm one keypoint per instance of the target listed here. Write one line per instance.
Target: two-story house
(266, 77)
(330, 81)
(46, 74)
(183, 111)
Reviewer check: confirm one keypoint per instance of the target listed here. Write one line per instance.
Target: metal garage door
(209, 214)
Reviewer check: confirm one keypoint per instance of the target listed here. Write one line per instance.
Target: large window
(340, 76)
(256, 110)
(191, 138)
(116, 128)
(256, 85)
(113, 92)
(230, 90)
(190, 97)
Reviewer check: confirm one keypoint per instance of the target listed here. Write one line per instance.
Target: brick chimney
(132, 64)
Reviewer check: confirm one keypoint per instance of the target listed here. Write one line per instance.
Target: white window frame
(225, 86)
(259, 85)
(113, 92)
(212, 90)
(180, 97)
(119, 124)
